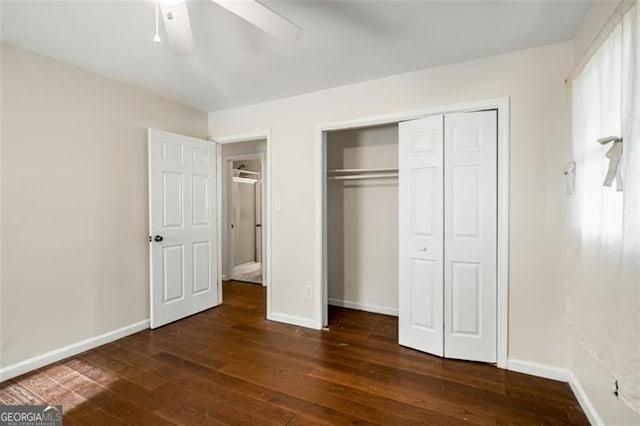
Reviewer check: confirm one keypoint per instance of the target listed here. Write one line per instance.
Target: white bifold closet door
(470, 235)
(182, 225)
(448, 235)
(420, 229)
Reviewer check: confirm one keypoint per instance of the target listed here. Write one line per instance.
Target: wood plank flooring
(229, 365)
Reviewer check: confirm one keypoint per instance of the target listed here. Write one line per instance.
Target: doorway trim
(263, 207)
(500, 104)
(246, 137)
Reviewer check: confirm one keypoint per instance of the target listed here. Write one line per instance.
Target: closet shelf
(245, 171)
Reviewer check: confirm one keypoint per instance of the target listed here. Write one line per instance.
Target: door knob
(158, 238)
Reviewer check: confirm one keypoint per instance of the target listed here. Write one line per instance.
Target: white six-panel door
(448, 235)
(470, 244)
(182, 224)
(420, 192)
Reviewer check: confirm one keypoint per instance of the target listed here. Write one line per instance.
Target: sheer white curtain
(604, 302)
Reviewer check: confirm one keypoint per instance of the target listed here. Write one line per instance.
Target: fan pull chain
(156, 38)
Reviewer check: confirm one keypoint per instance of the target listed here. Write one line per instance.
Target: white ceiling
(237, 64)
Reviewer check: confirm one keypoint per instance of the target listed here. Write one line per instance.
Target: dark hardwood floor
(230, 366)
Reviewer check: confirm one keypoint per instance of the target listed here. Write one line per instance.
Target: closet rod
(356, 177)
(361, 170)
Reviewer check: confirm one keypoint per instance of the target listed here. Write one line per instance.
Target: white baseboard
(36, 362)
(246, 268)
(293, 320)
(563, 375)
(584, 401)
(364, 307)
(540, 370)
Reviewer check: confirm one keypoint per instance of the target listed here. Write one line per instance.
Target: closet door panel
(421, 234)
(423, 274)
(465, 290)
(470, 241)
(465, 214)
(424, 199)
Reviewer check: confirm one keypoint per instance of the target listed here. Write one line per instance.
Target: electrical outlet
(308, 292)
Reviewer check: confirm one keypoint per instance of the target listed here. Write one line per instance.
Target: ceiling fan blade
(177, 26)
(262, 17)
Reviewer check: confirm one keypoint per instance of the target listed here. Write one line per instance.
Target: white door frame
(266, 201)
(501, 104)
(263, 206)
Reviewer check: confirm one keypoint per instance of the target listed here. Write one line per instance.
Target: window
(603, 255)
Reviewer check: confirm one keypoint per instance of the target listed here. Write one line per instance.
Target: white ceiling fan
(175, 16)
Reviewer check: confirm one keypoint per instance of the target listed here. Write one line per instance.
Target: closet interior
(362, 219)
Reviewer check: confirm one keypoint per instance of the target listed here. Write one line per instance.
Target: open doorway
(189, 222)
(245, 219)
(362, 219)
(243, 215)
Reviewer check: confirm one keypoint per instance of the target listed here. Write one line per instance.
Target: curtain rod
(615, 18)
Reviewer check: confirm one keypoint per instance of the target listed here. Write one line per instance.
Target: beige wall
(362, 221)
(533, 79)
(74, 197)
